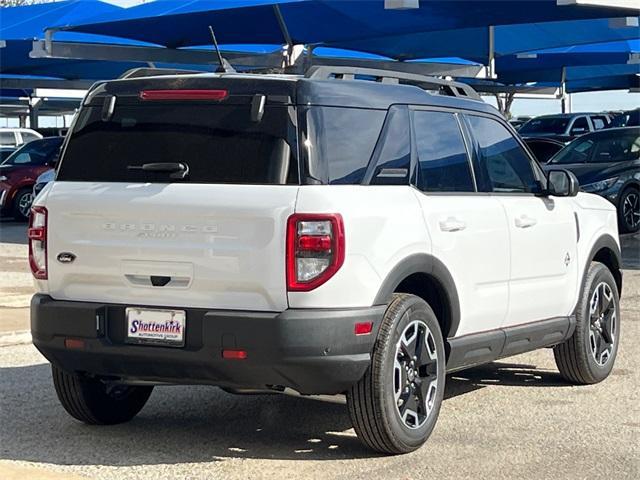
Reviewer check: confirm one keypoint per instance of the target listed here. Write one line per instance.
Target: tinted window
(553, 125)
(442, 156)
(393, 157)
(543, 150)
(338, 142)
(602, 147)
(616, 148)
(581, 125)
(38, 152)
(504, 164)
(598, 122)
(219, 143)
(7, 138)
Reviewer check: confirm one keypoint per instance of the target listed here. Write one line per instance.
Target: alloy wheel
(24, 204)
(631, 210)
(415, 374)
(603, 323)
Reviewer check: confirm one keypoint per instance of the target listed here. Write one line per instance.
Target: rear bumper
(311, 351)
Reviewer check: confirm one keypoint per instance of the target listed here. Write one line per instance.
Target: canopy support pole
(34, 106)
(491, 67)
(565, 100)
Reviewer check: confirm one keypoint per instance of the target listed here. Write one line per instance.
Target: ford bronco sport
(347, 231)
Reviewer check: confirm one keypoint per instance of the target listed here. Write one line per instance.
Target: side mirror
(563, 183)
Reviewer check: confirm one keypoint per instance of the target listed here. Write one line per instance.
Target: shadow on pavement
(630, 251)
(13, 232)
(201, 424)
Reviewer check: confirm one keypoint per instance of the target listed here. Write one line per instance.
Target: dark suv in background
(608, 163)
(564, 127)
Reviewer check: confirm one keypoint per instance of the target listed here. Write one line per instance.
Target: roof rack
(149, 72)
(442, 87)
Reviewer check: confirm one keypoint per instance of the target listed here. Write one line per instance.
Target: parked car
(42, 181)
(629, 118)
(14, 137)
(543, 148)
(517, 122)
(564, 127)
(260, 233)
(608, 163)
(19, 171)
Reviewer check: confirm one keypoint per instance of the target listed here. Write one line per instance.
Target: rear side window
(581, 125)
(28, 136)
(219, 144)
(7, 138)
(503, 163)
(599, 122)
(337, 143)
(443, 162)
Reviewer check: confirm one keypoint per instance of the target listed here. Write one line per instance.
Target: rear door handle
(452, 224)
(525, 221)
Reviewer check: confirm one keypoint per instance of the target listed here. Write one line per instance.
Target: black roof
(293, 89)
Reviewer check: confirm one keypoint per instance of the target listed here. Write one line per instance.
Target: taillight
(315, 249)
(216, 95)
(37, 235)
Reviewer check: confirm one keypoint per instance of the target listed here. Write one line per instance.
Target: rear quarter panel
(383, 225)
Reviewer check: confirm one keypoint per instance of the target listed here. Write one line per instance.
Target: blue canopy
(547, 65)
(473, 43)
(21, 25)
(175, 23)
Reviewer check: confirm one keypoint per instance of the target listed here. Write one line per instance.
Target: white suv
(319, 233)
(14, 137)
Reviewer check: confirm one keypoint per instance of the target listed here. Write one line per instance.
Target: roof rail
(442, 87)
(150, 72)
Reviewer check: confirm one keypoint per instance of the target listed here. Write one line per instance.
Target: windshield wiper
(178, 170)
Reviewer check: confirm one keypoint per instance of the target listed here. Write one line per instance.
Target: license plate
(156, 326)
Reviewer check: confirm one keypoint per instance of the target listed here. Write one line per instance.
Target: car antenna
(224, 66)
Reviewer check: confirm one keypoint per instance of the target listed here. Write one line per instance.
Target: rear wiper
(178, 170)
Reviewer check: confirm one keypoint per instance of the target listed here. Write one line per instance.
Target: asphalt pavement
(510, 419)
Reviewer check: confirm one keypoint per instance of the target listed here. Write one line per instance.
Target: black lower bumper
(312, 351)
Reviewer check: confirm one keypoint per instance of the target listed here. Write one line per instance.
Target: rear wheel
(95, 402)
(588, 356)
(395, 406)
(629, 211)
(22, 204)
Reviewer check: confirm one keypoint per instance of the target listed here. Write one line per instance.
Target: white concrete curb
(15, 338)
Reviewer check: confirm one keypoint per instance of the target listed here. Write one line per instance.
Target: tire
(22, 204)
(629, 210)
(588, 356)
(374, 403)
(94, 402)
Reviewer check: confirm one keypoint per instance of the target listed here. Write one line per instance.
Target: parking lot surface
(515, 418)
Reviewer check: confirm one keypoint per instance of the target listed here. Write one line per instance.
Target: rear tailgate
(223, 246)
(176, 193)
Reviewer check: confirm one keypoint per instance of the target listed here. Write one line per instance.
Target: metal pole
(563, 98)
(491, 67)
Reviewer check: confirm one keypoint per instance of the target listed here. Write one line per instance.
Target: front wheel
(395, 406)
(95, 402)
(629, 211)
(588, 356)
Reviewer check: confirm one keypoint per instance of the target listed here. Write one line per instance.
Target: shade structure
(556, 64)
(175, 24)
(21, 25)
(481, 43)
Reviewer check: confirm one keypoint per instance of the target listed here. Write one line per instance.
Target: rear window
(337, 143)
(218, 143)
(553, 125)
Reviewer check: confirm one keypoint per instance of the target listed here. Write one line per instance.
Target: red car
(19, 171)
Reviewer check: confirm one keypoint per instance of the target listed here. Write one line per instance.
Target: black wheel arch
(422, 273)
(606, 250)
